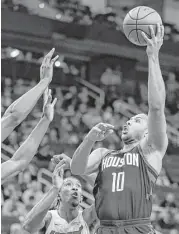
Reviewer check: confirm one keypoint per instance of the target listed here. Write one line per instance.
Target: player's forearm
(22, 106)
(19, 109)
(30, 146)
(26, 151)
(35, 217)
(156, 86)
(80, 157)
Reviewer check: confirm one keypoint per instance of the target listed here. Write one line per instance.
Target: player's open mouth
(75, 194)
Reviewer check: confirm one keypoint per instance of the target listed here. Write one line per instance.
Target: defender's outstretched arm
(20, 109)
(27, 150)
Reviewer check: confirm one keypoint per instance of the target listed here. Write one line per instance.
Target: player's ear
(59, 198)
(81, 198)
(57, 202)
(145, 132)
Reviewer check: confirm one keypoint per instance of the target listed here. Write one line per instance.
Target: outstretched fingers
(54, 59)
(49, 96)
(59, 170)
(152, 32)
(105, 126)
(162, 31)
(48, 56)
(158, 31)
(146, 38)
(54, 102)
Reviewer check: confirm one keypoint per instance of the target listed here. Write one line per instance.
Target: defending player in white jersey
(20, 109)
(68, 217)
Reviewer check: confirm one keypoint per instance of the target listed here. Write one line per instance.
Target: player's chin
(125, 136)
(75, 202)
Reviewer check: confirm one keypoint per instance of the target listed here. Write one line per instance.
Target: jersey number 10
(118, 181)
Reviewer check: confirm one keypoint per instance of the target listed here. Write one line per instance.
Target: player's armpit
(152, 156)
(157, 130)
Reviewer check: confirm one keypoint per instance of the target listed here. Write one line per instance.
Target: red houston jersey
(123, 187)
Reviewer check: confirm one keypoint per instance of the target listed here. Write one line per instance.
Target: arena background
(99, 76)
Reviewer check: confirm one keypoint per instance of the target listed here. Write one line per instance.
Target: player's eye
(78, 186)
(138, 120)
(68, 184)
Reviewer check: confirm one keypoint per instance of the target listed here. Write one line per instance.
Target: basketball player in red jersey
(27, 150)
(68, 217)
(123, 179)
(20, 109)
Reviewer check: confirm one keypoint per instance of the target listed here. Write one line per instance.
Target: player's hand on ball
(100, 132)
(154, 44)
(46, 69)
(62, 159)
(58, 176)
(48, 109)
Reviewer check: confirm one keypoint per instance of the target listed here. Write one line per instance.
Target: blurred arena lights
(58, 16)
(41, 5)
(14, 53)
(57, 64)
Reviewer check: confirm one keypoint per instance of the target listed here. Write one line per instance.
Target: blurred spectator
(16, 228)
(166, 220)
(32, 195)
(163, 180)
(13, 207)
(24, 179)
(110, 77)
(172, 87)
(169, 201)
(54, 135)
(13, 140)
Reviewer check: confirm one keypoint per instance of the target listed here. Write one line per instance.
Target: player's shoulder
(51, 213)
(102, 152)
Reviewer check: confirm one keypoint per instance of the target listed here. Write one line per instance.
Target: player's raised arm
(19, 109)
(38, 216)
(157, 136)
(27, 150)
(63, 158)
(85, 163)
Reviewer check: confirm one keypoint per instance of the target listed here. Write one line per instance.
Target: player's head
(135, 128)
(71, 192)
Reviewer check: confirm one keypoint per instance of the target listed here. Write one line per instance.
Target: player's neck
(68, 213)
(129, 145)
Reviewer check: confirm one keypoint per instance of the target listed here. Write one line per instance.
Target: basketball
(138, 20)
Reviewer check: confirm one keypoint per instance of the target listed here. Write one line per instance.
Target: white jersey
(59, 225)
